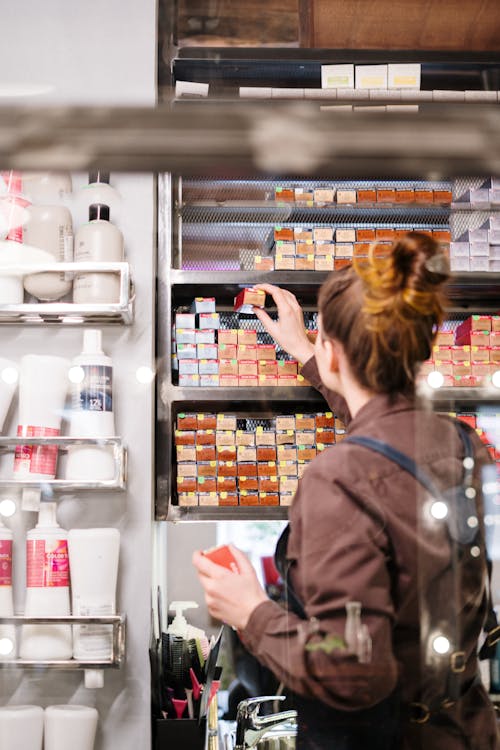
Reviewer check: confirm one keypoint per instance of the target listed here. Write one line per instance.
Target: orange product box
(466, 381)
(269, 498)
(479, 353)
(226, 484)
(384, 233)
(284, 262)
(443, 196)
(186, 453)
(226, 453)
(228, 367)
(464, 369)
(304, 248)
(268, 367)
(267, 380)
(246, 453)
(286, 380)
(460, 353)
(228, 381)
(228, 499)
(263, 263)
(266, 352)
(424, 196)
(495, 323)
(469, 419)
(398, 233)
(285, 422)
(206, 453)
(207, 421)
(481, 370)
(286, 437)
(187, 469)
(246, 351)
(441, 353)
(207, 469)
(305, 437)
(285, 195)
(249, 298)
(386, 195)
(304, 196)
(405, 196)
(205, 437)
(222, 556)
(325, 420)
(266, 453)
(445, 368)
(361, 249)
(185, 437)
(228, 351)
(302, 235)
(265, 437)
(268, 484)
(187, 422)
(305, 421)
(188, 499)
(248, 381)
(285, 234)
(267, 469)
(249, 498)
(305, 453)
(186, 484)
(495, 354)
(287, 468)
(287, 367)
(302, 381)
(445, 338)
(365, 235)
(246, 469)
(495, 338)
(324, 263)
(304, 262)
(442, 235)
(227, 468)
(225, 437)
(324, 248)
(367, 195)
(245, 438)
(206, 484)
(325, 436)
(323, 234)
(340, 263)
(247, 367)
(288, 484)
(227, 336)
(382, 249)
(287, 453)
(247, 337)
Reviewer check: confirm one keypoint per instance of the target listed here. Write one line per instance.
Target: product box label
(5, 562)
(95, 391)
(36, 459)
(47, 563)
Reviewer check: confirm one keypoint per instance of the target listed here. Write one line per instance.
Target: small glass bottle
(352, 626)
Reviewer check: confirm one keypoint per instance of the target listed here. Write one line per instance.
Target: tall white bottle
(7, 632)
(50, 227)
(47, 589)
(99, 241)
(91, 414)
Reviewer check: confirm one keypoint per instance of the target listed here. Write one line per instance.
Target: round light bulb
(441, 644)
(495, 379)
(76, 374)
(435, 379)
(144, 375)
(6, 646)
(10, 375)
(439, 510)
(7, 508)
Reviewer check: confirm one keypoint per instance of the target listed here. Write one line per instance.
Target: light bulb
(435, 379)
(144, 375)
(441, 644)
(10, 375)
(7, 508)
(76, 374)
(6, 646)
(439, 510)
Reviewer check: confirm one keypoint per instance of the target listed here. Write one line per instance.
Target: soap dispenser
(179, 625)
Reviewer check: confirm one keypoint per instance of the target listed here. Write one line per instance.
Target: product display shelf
(118, 643)
(60, 312)
(458, 398)
(9, 445)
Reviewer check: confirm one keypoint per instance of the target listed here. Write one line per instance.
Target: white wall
(97, 52)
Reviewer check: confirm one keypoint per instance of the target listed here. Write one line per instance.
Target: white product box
(371, 77)
(191, 89)
(479, 249)
(385, 95)
(494, 236)
(186, 351)
(208, 320)
(203, 305)
(494, 252)
(208, 366)
(207, 351)
(255, 92)
(403, 76)
(460, 264)
(184, 320)
(185, 336)
(204, 336)
(494, 222)
(188, 366)
(209, 381)
(494, 196)
(189, 381)
(475, 235)
(480, 198)
(459, 249)
(479, 264)
(337, 76)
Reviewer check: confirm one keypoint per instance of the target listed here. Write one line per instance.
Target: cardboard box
(475, 338)
(267, 380)
(284, 195)
(184, 320)
(287, 468)
(474, 323)
(228, 367)
(263, 263)
(186, 453)
(405, 196)
(227, 336)
(305, 453)
(228, 381)
(441, 353)
(249, 298)
(246, 469)
(269, 498)
(443, 196)
(287, 453)
(445, 368)
(345, 235)
(203, 305)
(283, 234)
(403, 76)
(284, 262)
(228, 351)
(384, 233)
(246, 352)
(300, 234)
(188, 499)
(266, 352)
(186, 484)
(324, 248)
(288, 484)
(268, 484)
(323, 263)
(187, 421)
(265, 437)
(286, 380)
(460, 353)
(324, 195)
(246, 453)
(249, 498)
(208, 321)
(479, 353)
(228, 499)
(323, 234)
(286, 437)
(208, 498)
(337, 76)
(206, 453)
(325, 420)
(325, 436)
(344, 250)
(266, 453)
(207, 469)
(267, 468)
(463, 369)
(186, 351)
(305, 437)
(367, 195)
(247, 337)
(227, 468)
(286, 499)
(386, 195)
(226, 453)
(247, 367)
(424, 196)
(361, 249)
(285, 422)
(302, 196)
(185, 437)
(346, 196)
(187, 469)
(445, 338)
(248, 381)
(495, 323)
(305, 421)
(225, 437)
(481, 370)
(245, 438)
(248, 484)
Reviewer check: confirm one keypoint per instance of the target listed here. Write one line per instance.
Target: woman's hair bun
(419, 261)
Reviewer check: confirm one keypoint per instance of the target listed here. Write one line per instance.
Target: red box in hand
(222, 556)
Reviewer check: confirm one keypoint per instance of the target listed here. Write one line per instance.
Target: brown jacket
(360, 530)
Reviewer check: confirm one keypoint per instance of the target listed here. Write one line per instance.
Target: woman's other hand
(289, 329)
(230, 597)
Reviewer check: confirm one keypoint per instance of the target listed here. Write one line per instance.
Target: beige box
(228, 367)
(371, 77)
(286, 437)
(324, 195)
(245, 438)
(226, 422)
(246, 453)
(346, 196)
(324, 248)
(323, 263)
(268, 380)
(247, 337)
(285, 422)
(265, 437)
(208, 498)
(187, 499)
(287, 367)
(304, 248)
(287, 453)
(228, 351)
(286, 499)
(247, 367)
(345, 235)
(287, 468)
(246, 352)
(266, 352)
(186, 453)
(284, 262)
(302, 235)
(287, 380)
(337, 76)
(263, 263)
(225, 437)
(323, 234)
(305, 437)
(403, 76)
(227, 336)
(344, 249)
(305, 422)
(288, 484)
(228, 381)
(304, 262)
(267, 367)
(187, 469)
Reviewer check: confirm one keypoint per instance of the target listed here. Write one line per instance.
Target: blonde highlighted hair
(385, 311)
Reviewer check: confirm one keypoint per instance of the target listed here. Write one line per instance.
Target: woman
(360, 530)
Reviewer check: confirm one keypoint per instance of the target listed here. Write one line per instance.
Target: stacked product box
(328, 248)
(476, 421)
(206, 354)
(328, 195)
(468, 356)
(478, 249)
(227, 460)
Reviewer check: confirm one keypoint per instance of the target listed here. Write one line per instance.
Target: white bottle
(50, 227)
(7, 632)
(93, 555)
(91, 412)
(47, 187)
(79, 723)
(352, 626)
(47, 589)
(99, 241)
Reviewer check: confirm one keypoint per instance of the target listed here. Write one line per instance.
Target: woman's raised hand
(289, 329)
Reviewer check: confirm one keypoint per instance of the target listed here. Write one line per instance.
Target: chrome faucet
(250, 727)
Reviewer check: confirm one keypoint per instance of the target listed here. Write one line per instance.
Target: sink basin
(279, 738)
